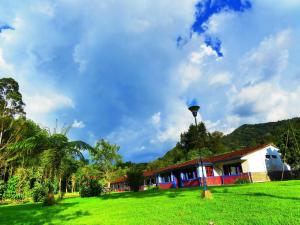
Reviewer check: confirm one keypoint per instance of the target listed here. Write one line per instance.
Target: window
(274, 156)
(190, 175)
(232, 169)
(209, 171)
(268, 156)
(165, 178)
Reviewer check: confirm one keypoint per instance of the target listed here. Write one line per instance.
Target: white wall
(257, 161)
(199, 171)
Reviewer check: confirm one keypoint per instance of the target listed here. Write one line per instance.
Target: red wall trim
(165, 185)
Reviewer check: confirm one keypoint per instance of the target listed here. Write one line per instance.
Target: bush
(242, 181)
(23, 184)
(135, 179)
(19, 197)
(39, 192)
(2, 189)
(49, 200)
(152, 188)
(89, 187)
(11, 190)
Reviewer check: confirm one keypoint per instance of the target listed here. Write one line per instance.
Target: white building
(258, 164)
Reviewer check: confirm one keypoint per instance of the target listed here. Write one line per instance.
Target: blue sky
(125, 70)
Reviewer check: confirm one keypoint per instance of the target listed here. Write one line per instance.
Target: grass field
(260, 203)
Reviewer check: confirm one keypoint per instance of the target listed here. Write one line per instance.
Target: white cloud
(269, 59)
(197, 57)
(220, 79)
(212, 126)
(268, 101)
(45, 8)
(112, 43)
(40, 105)
(175, 122)
(155, 119)
(187, 74)
(5, 68)
(78, 124)
(79, 59)
(216, 22)
(139, 25)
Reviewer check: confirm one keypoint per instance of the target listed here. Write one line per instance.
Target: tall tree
(106, 156)
(60, 149)
(11, 106)
(289, 147)
(11, 103)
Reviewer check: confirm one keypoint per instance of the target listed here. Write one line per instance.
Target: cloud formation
(206, 9)
(78, 124)
(5, 27)
(113, 69)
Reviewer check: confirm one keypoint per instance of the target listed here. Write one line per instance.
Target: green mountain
(250, 135)
(247, 135)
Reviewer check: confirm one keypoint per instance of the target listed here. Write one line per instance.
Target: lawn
(260, 203)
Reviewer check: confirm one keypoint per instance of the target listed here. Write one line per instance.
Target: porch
(215, 174)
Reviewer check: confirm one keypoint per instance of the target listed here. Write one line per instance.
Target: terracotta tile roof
(149, 173)
(119, 180)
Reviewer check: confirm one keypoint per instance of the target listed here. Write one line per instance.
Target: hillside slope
(249, 135)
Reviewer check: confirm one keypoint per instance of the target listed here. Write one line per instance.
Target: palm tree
(21, 144)
(59, 151)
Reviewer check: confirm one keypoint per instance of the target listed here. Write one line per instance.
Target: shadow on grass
(38, 214)
(253, 194)
(170, 193)
(260, 194)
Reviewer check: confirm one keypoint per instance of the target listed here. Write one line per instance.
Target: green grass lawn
(260, 203)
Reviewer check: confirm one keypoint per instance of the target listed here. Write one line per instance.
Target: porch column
(204, 170)
(182, 176)
(158, 179)
(199, 171)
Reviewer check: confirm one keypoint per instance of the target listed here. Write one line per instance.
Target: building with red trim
(252, 164)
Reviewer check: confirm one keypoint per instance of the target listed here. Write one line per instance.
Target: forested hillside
(249, 135)
(192, 143)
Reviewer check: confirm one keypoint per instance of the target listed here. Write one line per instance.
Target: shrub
(242, 181)
(152, 188)
(39, 192)
(19, 197)
(23, 184)
(55, 186)
(135, 179)
(11, 190)
(89, 187)
(49, 200)
(2, 189)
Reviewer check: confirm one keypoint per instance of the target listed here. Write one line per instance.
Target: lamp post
(205, 192)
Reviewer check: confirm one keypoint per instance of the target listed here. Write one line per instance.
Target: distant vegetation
(255, 134)
(284, 134)
(37, 163)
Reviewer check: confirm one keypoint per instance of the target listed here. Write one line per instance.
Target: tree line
(198, 141)
(34, 157)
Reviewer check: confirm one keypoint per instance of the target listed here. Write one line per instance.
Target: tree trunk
(66, 185)
(59, 184)
(73, 183)
(11, 172)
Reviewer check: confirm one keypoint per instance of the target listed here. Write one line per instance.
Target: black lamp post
(206, 193)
